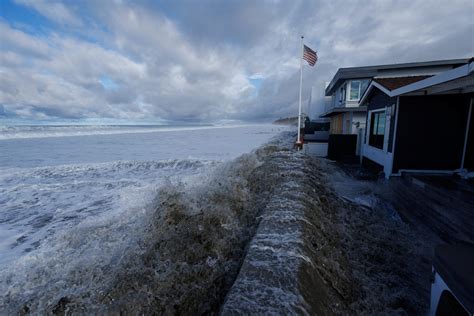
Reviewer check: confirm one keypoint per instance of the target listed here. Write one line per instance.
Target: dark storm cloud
(195, 60)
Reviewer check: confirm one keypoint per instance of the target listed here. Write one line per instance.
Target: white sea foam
(68, 220)
(37, 202)
(41, 131)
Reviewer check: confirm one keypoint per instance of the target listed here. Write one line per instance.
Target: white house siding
(379, 156)
(358, 121)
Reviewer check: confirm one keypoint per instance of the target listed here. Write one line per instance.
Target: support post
(298, 141)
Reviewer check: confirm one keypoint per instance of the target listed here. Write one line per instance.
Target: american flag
(310, 56)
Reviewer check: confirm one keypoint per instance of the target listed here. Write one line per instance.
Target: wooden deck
(442, 204)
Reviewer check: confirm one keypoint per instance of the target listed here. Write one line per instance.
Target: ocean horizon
(15, 130)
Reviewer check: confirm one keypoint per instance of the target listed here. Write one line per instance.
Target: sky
(205, 61)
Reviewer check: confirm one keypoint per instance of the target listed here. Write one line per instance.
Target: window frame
(377, 139)
(349, 98)
(342, 94)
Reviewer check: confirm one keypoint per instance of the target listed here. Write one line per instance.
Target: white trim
(350, 89)
(467, 134)
(388, 122)
(459, 85)
(377, 110)
(438, 286)
(386, 136)
(446, 76)
(456, 73)
(426, 171)
(378, 155)
(367, 127)
(375, 153)
(369, 89)
(395, 129)
(385, 126)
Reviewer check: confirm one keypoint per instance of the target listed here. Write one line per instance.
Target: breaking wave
(19, 132)
(37, 203)
(177, 251)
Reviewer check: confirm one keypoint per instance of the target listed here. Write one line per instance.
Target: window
(377, 129)
(342, 94)
(354, 94)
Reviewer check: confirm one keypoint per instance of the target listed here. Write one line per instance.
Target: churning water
(75, 201)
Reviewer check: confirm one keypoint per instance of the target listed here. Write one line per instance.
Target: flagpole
(298, 141)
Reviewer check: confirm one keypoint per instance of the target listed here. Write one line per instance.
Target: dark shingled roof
(368, 72)
(398, 82)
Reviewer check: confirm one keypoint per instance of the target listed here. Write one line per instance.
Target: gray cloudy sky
(204, 60)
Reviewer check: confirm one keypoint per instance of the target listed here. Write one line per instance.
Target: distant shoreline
(286, 121)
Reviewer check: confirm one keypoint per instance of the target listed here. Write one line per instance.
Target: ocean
(75, 199)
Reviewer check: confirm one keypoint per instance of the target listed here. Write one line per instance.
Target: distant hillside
(287, 121)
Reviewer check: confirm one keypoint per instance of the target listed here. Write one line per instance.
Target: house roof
(397, 82)
(459, 79)
(338, 110)
(343, 74)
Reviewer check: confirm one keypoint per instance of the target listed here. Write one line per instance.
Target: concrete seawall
(283, 271)
(316, 252)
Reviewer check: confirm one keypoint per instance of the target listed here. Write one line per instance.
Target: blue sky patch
(24, 18)
(257, 83)
(108, 83)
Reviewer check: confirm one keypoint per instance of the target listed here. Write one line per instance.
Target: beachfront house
(348, 115)
(421, 123)
(344, 91)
